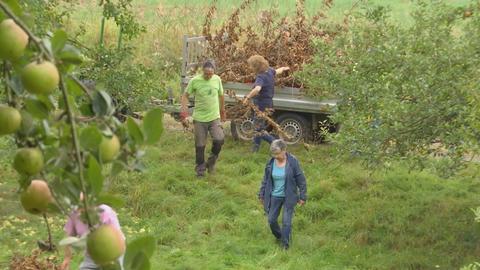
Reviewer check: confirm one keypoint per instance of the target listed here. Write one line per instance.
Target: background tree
(407, 92)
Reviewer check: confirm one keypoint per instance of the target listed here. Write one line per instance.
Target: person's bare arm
(281, 70)
(184, 106)
(67, 259)
(223, 116)
(185, 102)
(252, 93)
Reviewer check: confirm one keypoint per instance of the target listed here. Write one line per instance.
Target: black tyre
(242, 129)
(296, 126)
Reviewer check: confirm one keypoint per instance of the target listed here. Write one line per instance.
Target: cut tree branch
(263, 115)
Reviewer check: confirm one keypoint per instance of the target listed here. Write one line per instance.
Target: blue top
(278, 176)
(266, 81)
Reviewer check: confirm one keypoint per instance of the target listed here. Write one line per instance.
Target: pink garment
(75, 226)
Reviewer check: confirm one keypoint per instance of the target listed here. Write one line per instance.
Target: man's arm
(221, 97)
(281, 70)
(184, 110)
(184, 102)
(223, 115)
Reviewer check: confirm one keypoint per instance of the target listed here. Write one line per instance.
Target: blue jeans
(261, 127)
(283, 233)
(260, 124)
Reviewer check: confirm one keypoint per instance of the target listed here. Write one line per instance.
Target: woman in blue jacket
(283, 186)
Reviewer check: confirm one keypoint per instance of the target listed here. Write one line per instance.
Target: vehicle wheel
(242, 129)
(296, 126)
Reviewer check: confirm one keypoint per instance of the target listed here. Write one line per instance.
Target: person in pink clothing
(75, 227)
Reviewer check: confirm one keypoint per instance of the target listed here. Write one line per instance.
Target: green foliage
(130, 85)
(69, 125)
(138, 253)
(406, 92)
(47, 15)
(152, 127)
(472, 266)
(120, 11)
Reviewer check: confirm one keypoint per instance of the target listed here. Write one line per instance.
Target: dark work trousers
(283, 234)
(261, 125)
(201, 131)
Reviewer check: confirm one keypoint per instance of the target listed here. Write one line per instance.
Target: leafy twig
(76, 145)
(71, 119)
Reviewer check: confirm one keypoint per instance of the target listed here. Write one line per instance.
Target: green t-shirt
(207, 107)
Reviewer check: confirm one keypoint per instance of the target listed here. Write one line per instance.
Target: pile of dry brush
(283, 41)
(34, 262)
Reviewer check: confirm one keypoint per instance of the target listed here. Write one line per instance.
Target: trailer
(301, 117)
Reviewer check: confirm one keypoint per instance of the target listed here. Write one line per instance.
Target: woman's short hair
(258, 63)
(278, 146)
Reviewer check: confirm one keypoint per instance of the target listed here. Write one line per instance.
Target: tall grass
(352, 220)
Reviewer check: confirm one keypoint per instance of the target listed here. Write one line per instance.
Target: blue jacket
(295, 183)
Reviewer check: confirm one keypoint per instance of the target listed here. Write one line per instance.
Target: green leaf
(139, 251)
(134, 131)
(14, 6)
(117, 167)
(48, 45)
(139, 262)
(86, 109)
(102, 104)
(111, 200)
(90, 138)
(46, 131)
(59, 40)
(36, 108)
(153, 125)
(94, 175)
(15, 84)
(70, 55)
(71, 100)
(47, 101)
(73, 87)
(53, 208)
(27, 125)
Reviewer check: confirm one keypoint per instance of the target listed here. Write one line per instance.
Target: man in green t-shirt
(209, 110)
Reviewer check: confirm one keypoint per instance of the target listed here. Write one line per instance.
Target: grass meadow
(353, 219)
